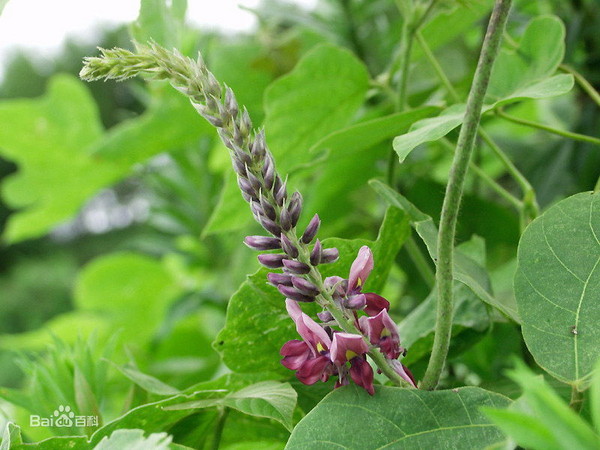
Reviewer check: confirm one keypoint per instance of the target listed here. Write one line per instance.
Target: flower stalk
(454, 190)
(278, 213)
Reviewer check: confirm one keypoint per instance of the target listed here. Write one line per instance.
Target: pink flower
(382, 332)
(352, 348)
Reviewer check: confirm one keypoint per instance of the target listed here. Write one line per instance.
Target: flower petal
(295, 354)
(312, 333)
(360, 270)
(346, 346)
(375, 304)
(361, 373)
(313, 370)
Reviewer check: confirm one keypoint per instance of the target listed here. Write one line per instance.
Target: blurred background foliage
(120, 217)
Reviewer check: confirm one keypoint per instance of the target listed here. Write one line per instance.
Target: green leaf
(257, 323)
(11, 436)
(268, 399)
(135, 440)
(557, 286)
(538, 55)
(147, 382)
(595, 398)
(160, 21)
(428, 130)
(552, 419)
(399, 418)
(48, 138)
(84, 396)
(129, 290)
(466, 270)
(57, 443)
(319, 96)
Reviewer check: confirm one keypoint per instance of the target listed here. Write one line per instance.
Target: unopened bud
(231, 103)
(315, 254)
(272, 260)
(269, 174)
(304, 286)
(281, 192)
(311, 230)
(329, 255)
(285, 220)
(355, 301)
(288, 246)
(325, 316)
(297, 267)
(262, 243)
(295, 208)
(246, 187)
(294, 294)
(279, 278)
(259, 147)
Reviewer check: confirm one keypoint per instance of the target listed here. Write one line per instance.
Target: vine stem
(549, 129)
(454, 190)
(583, 83)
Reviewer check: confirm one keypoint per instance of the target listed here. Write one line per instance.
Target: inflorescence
(323, 352)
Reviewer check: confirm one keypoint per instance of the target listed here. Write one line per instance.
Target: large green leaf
(160, 21)
(48, 139)
(319, 96)
(466, 270)
(557, 285)
(269, 399)
(399, 418)
(257, 324)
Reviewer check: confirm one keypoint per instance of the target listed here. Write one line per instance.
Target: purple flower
(360, 270)
(352, 348)
(382, 332)
(309, 357)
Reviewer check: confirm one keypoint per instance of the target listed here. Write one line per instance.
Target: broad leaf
(557, 285)
(257, 323)
(319, 96)
(399, 418)
(268, 399)
(466, 270)
(11, 436)
(160, 21)
(48, 138)
(135, 440)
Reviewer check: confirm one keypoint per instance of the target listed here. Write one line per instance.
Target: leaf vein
(555, 255)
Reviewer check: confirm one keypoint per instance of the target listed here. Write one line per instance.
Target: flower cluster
(322, 352)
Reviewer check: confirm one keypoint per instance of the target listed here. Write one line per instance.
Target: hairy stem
(454, 189)
(549, 129)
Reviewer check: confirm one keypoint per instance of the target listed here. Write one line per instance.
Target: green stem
(437, 67)
(541, 126)
(420, 261)
(216, 443)
(576, 402)
(454, 189)
(583, 83)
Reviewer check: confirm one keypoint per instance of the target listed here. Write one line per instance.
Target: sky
(42, 25)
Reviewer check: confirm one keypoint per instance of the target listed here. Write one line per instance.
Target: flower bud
(295, 208)
(355, 301)
(281, 192)
(262, 243)
(272, 260)
(311, 230)
(246, 187)
(294, 294)
(231, 103)
(329, 255)
(267, 208)
(259, 147)
(296, 267)
(279, 278)
(315, 254)
(268, 171)
(325, 316)
(305, 287)
(270, 225)
(285, 220)
(288, 246)
(254, 181)
(239, 167)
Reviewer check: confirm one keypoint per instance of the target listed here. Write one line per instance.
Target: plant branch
(216, 443)
(583, 83)
(454, 190)
(549, 129)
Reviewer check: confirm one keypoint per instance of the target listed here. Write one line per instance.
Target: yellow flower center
(350, 354)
